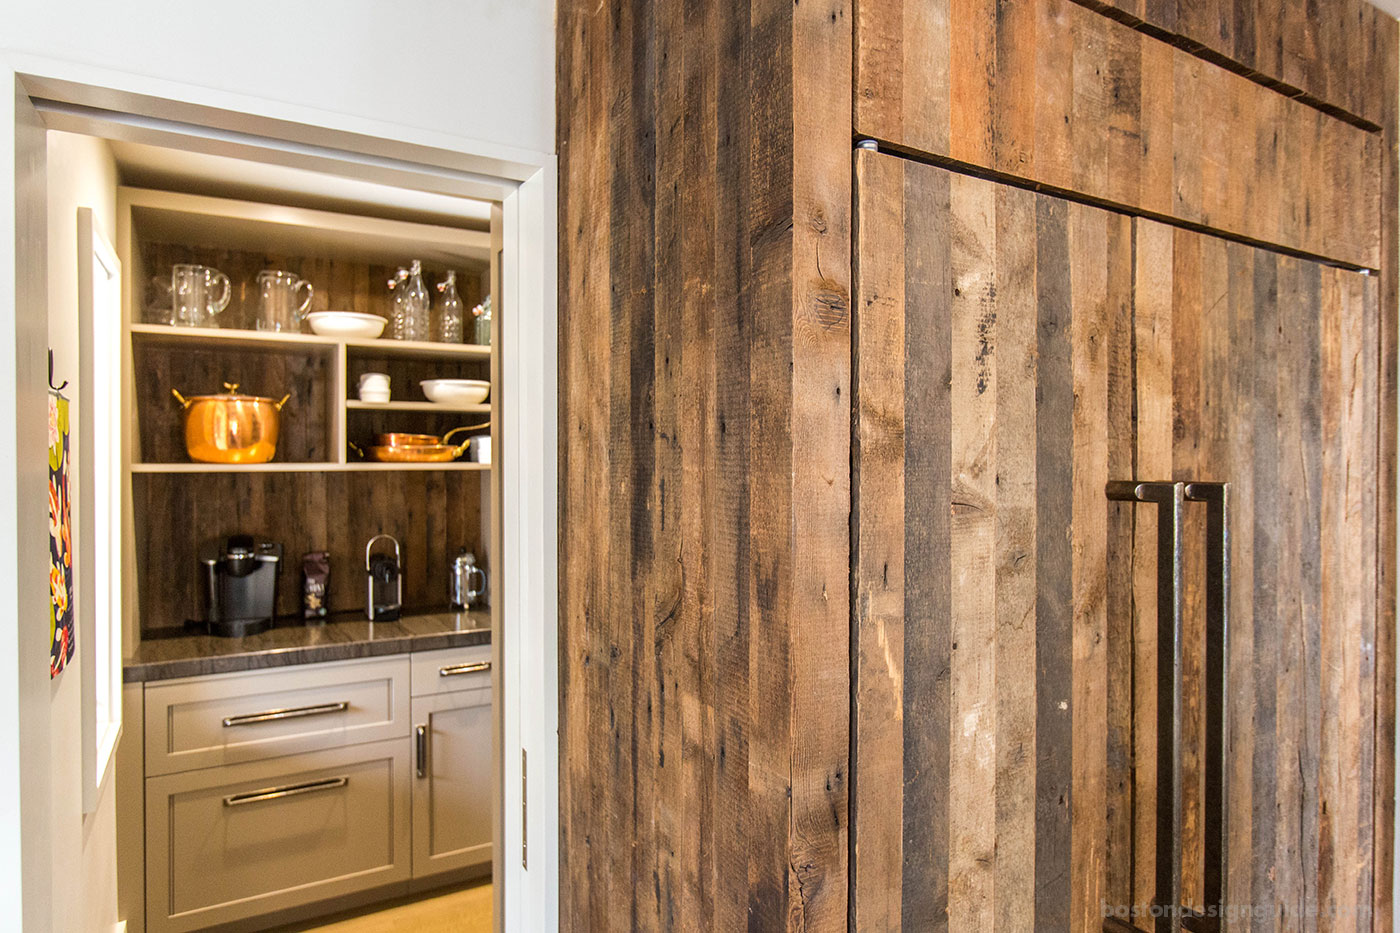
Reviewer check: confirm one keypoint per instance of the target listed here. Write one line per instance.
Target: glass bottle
(396, 313)
(482, 326)
(415, 305)
(450, 311)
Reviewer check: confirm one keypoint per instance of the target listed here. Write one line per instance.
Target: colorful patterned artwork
(61, 644)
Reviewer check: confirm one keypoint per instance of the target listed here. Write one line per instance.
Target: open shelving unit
(340, 359)
(315, 493)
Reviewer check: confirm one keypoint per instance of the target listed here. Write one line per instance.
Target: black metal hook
(56, 388)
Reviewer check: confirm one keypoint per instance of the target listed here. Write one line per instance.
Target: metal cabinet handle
(1217, 499)
(295, 712)
(286, 790)
(1169, 499)
(420, 750)
(452, 670)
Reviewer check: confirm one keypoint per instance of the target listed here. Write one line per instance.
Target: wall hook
(56, 388)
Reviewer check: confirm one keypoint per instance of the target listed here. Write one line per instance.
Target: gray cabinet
(453, 764)
(244, 840)
(452, 782)
(268, 792)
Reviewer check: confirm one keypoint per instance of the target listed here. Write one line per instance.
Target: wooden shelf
(357, 467)
(357, 405)
(164, 333)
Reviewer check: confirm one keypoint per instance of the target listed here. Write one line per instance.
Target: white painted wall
(81, 173)
(482, 69)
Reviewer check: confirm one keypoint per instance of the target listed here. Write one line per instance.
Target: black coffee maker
(240, 585)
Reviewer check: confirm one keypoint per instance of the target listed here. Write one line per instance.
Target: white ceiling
(144, 166)
(1390, 6)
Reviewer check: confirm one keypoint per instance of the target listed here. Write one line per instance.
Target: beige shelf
(456, 465)
(164, 333)
(357, 405)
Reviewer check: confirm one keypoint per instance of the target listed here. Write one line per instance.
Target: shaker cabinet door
(452, 787)
(1015, 355)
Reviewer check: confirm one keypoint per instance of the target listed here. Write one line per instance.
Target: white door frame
(121, 105)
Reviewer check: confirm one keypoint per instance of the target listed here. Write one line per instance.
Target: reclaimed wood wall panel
(1055, 94)
(704, 464)
(1329, 54)
(1013, 352)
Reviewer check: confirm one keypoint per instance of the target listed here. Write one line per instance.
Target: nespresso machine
(384, 594)
(240, 585)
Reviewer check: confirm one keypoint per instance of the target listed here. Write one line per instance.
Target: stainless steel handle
(286, 790)
(1217, 499)
(420, 750)
(1169, 498)
(452, 670)
(295, 712)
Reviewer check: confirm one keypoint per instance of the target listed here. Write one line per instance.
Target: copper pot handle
(465, 427)
(278, 405)
(184, 402)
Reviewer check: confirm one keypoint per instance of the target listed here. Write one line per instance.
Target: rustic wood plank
(979, 96)
(972, 762)
(1054, 565)
(705, 235)
(878, 470)
(1090, 248)
(1387, 33)
(1153, 350)
(926, 518)
(1015, 518)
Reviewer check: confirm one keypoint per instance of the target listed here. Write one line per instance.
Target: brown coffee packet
(315, 584)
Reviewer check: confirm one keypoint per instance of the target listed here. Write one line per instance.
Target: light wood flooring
(467, 910)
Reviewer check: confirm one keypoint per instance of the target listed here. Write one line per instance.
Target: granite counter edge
(144, 672)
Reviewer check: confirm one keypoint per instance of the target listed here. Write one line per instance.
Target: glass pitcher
(197, 293)
(278, 307)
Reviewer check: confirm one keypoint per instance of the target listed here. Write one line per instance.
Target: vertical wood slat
(704, 411)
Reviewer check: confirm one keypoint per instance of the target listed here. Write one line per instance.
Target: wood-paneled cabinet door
(452, 787)
(1271, 367)
(1015, 353)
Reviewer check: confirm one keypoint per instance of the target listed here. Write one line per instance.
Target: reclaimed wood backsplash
(432, 514)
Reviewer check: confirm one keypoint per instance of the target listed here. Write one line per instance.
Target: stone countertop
(193, 654)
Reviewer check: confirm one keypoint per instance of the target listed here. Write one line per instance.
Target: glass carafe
(197, 293)
(450, 311)
(278, 306)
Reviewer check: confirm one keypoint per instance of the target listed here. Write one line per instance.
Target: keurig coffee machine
(240, 585)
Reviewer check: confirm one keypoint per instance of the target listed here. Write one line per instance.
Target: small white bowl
(346, 325)
(457, 392)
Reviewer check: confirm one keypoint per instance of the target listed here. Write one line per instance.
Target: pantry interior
(326, 762)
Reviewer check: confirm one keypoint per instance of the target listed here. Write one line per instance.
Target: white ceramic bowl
(456, 391)
(346, 325)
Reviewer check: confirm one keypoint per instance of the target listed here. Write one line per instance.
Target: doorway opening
(237, 196)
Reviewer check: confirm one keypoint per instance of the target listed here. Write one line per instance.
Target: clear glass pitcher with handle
(280, 305)
(197, 293)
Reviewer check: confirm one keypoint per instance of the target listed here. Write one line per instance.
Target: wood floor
(466, 910)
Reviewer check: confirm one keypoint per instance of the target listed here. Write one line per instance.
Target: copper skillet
(420, 448)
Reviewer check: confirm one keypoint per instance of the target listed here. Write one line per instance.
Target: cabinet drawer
(203, 722)
(229, 843)
(451, 669)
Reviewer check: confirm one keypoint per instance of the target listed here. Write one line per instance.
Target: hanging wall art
(61, 645)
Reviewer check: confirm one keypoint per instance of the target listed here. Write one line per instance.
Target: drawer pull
(453, 670)
(295, 712)
(420, 750)
(287, 790)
